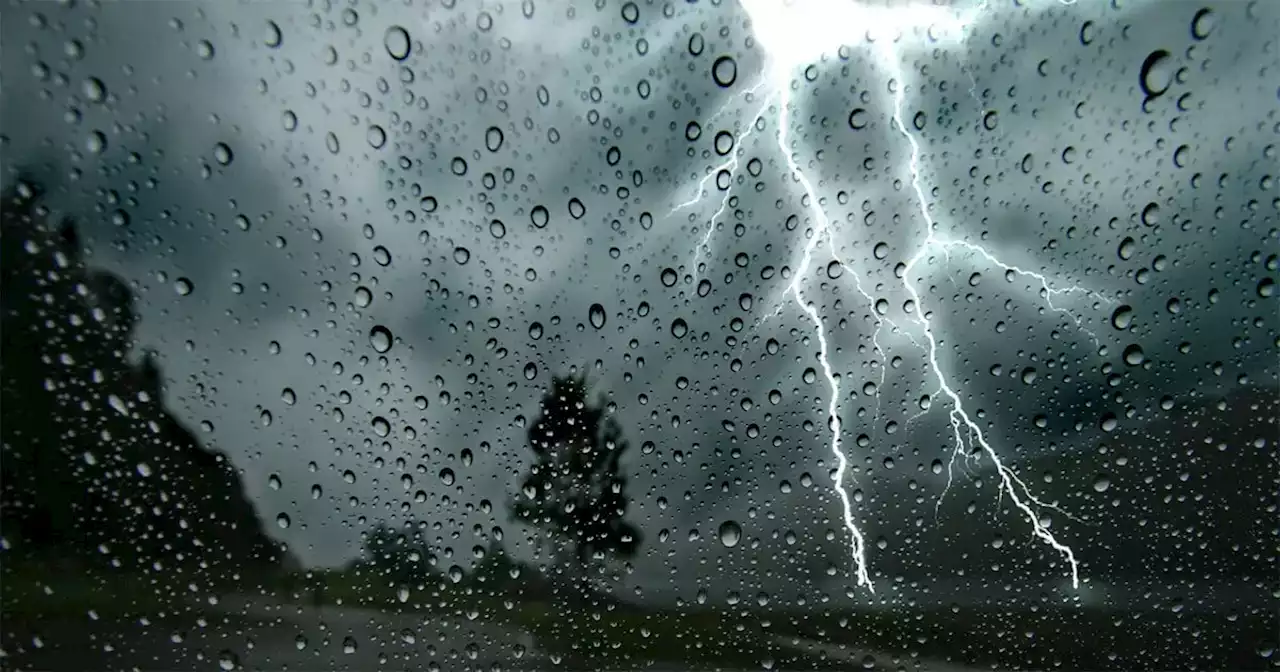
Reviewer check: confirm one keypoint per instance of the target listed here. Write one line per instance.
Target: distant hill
(94, 466)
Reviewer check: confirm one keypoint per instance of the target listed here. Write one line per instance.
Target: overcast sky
(311, 187)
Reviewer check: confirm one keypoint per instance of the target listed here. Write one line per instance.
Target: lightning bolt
(777, 26)
(730, 167)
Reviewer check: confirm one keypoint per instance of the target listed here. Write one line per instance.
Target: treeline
(96, 471)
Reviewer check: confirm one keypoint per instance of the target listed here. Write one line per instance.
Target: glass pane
(781, 335)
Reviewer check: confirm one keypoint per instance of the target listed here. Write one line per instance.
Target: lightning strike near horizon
(799, 32)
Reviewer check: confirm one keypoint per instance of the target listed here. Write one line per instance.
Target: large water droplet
(380, 338)
(725, 71)
(730, 533)
(1156, 73)
(596, 315)
(397, 43)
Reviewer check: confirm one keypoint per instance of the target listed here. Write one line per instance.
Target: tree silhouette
(575, 491)
(95, 467)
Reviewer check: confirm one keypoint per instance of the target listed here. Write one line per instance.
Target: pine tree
(575, 491)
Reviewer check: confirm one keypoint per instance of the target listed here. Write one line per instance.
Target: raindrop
(1202, 23)
(535, 330)
(446, 476)
(539, 216)
(288, 396)
(376, 136)
(493, 139)
(596, 315)
(1156, 74)
(989, 120)
(227, 660)
(1134, 356)
(428, 204)
(679, 328)
(696, 44)
(223, 154)
(1122, 317)
(730, 533)
(183, 286)
(1102, 483)
(497, 229)
(396, 41)
(458, 166)
(630, 12)
(1151, 214)
(461, 255)
(1126, 249)
(725, 71)
(858, 119)
(349, 645)
(723, 143)
(576, 208)
(283, 521)
(530, 371)
(669, 277)
(273, 481)
(380, 338)
(273, 37)
(95, 90)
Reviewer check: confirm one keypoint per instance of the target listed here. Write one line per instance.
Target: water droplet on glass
(1156, 74)
(730, 533)
(1122, 317)
(222, 154)
(376, 136)
(539, 216)
(596, 315)
(1133, 355)
(679, 328)
(183, 286)
(396, 40)
(95, 90)
(380, 338)
(725, 71)
(493, 138)
(1102, 483)
(446, 476)
(1202, 23)
(461, 255)
(283, 521)
(273, 37)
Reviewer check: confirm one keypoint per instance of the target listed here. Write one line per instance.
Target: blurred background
(639, 335)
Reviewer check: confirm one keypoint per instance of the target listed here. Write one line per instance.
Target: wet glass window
(739, 335)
